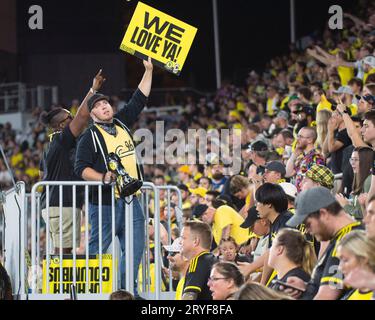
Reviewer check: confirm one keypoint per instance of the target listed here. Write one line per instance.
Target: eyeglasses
(213, 279)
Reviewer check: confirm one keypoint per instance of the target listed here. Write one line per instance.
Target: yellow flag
(152, 33)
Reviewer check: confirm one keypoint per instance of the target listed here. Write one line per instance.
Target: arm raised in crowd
(146, 82)
(83, 115)
(290, 172)
(353, 133)
(327, 61)
(129, 114)
(332, 144)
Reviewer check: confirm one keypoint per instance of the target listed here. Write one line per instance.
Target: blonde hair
(257, 291)
(322, 118)
(359, 245)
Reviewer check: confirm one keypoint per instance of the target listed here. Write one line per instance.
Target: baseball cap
(370, 60)
(200, 191)
(282, 114)
(369, 98)
(344, 89)
(257, 146)
(252, 216)
(213, 158)
(289, 189)
(183, 187)
(310, 201)
(176, 246)
(199, 210)
(322, 175)
(305, 109)
(276, 166)
(95, 98)
(185, 169)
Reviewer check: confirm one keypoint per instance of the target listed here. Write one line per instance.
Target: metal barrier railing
(32, 240)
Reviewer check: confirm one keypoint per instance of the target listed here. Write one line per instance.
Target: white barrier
(19, 256)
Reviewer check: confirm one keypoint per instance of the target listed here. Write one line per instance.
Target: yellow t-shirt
(180, 289)
(224, 217)
(16, 159)
(32, 172)
(346, 74)
(357, 295)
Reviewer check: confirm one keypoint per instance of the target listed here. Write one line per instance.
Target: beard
(218, 176)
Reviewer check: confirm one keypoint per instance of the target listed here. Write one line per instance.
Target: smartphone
(287, 285)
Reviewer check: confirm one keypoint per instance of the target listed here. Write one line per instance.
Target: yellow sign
(152, 33)
(67, 274)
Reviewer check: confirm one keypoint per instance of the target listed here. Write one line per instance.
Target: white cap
(212, 158)
(370, 60)
(176, 246)
(289, 189)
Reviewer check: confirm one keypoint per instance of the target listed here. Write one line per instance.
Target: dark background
(81, 36)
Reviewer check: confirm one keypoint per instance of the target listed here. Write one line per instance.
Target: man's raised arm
(146, 82)
(83, 115)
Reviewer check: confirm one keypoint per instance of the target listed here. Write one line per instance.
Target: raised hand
(98, 81)
(148, 64)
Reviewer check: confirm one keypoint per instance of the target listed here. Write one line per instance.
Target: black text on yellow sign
(87, 279)
(152, 33)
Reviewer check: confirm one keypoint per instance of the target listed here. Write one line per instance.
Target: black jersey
(198, 273)
(326, 270)
(278, 224)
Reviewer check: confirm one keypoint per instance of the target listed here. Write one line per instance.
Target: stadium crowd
(298, 219)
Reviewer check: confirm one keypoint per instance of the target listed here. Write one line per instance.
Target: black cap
(276, 166)
(252, 216)
(94, 99)
(257, 146)
(369, 98)
(183, 187)
(199, 210)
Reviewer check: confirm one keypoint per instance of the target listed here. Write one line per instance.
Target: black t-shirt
(296, 272)
(336, 157)
(279, 223)
(198, 273)
(326, 270)
(58, 165)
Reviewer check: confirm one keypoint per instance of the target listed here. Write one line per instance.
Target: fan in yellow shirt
(225, 222)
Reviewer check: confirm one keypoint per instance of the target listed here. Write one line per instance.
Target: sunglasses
(172, 254)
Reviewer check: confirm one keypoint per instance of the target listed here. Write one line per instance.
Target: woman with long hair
(291, 255)
(322, 118)
(361, 162)
(356, 250)
(225, 280)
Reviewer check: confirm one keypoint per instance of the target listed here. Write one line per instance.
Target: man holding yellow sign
(152, 33)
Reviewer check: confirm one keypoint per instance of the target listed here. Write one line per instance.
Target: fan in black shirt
(58, 165)
(291, 255)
